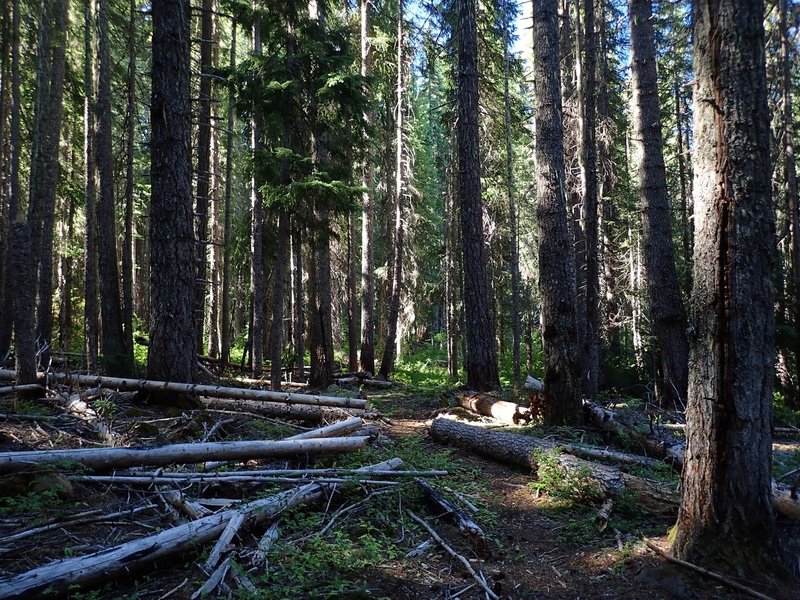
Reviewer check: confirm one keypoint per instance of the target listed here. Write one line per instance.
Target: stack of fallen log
(308, 485)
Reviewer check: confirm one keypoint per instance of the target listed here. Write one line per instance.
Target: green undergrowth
(371, 528)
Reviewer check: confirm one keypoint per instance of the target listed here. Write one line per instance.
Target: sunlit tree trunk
(726, 503)
(226, 319)
(90, 309)
(562, 399)
(130, 133)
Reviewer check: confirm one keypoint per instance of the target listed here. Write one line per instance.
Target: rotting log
(60, 575)
(503, 411)
(471, 531)
(120, 458)
(278, 410)
(670, 451)
(521, 450)
(213, 391)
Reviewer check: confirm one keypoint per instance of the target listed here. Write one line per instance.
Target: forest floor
(541, 545)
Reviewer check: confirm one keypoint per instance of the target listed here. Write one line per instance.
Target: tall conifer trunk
(226, 318)
(481, 357)
(257, 283)
(90, 309)
(666, 307)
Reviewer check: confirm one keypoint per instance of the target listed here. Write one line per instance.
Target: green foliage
(567, 484)
(783, 413)
(33, 502)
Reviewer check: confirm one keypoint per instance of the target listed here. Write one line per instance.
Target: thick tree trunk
(7, 292)
(117, 358)
(726, 482)
(45, 160)
(171, 353)
(367, 356)
(481, 357)
(562, 401)
(666, 307)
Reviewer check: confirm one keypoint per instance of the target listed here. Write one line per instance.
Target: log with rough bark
(471, 531)
(522, 450)
(506, 412)
(313, 414)
(214, 391)
(119, 458)
(668, 450)
(60, 575)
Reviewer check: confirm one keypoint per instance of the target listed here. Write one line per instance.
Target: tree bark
(45, 160)
(367, 356)
(130, 183)
(451, 272)
(90, 310)
(726, 482)
(666, 307)
(257, 280)
(24, 277)
(117, 358)
(505, 412)
(481, 357)
(396, 268)
(562, 401)
(226, 320)
(8, 292)
(276, 331)
(298, 304)
(171, 353)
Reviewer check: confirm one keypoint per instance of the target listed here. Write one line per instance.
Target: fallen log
(119, 458)
(506, 412)
(334, 430)
(522, 450)
(60, 575)
(376, 383)
(25, 387)
(534, 384)
(471, 531)
(670, 451)
(214, 391)
(314, 414)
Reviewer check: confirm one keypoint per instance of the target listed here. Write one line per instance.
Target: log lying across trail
(521, 450)
(120, 458)
(213, 391)
(506, 412)
(82, 570)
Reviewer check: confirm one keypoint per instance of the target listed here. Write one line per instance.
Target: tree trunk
(130, 134)
(726, 482)
(117, 358)
(5, 158)
(686, 213)
(481, 357)
(367, 357)
(276, 332)
(24, 276)
(217, 240)
(90, 309)
(65, 280)
(44, 174)
(202, 203)
(396, 270)
(298, 304)
(257, 283)
(451, 273)
(226, 320)
(588, 160)
(516, 316)
(666, 307)
(171, 353)
(562, 400)
(352, 322)
(7, 293)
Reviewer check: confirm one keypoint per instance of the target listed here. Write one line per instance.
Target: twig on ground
(714, 575)
(214, 580)
(455, 555)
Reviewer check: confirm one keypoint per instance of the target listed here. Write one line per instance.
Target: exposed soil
(541, 547)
